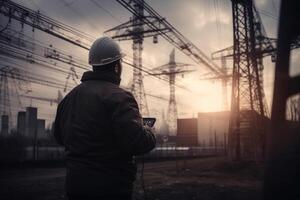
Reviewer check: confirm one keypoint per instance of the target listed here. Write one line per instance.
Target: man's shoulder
(121, 92)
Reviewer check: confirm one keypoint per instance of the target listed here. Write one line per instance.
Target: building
(31, 122)
(213, 127)
(4, 124)
(187, 132)
(41, 131)
(21, 122)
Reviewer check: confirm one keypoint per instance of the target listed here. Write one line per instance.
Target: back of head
(103, 52)
(110, 67)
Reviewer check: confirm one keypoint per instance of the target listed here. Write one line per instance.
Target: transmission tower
(135, 30)
(248, 102)
(170, 70)
(248, 108)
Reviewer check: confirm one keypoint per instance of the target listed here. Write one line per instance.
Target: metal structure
(48, 25)
(19, 48)
(248, 103)
(136, 31)
(170, 70)
(169, 33)
(155, 25)
(265, 46)
(26, 43)
(250, 46)
(248, 108)
(283, 139)
(53, 27)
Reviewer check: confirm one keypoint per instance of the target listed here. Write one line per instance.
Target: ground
(203, 178)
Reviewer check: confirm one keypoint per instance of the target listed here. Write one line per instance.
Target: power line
(69, 6)
(43, 23)
(96, 3)
(268, 14)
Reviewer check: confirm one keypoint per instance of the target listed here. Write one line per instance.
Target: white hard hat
(104, 51)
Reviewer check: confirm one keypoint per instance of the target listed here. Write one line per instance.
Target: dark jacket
(101, 128)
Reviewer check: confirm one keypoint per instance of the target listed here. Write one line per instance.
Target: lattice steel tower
(170, 70)
(136, 29)
(172, 109)
(137, 47)
(248, 108)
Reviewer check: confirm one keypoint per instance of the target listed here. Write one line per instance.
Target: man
(101, 128)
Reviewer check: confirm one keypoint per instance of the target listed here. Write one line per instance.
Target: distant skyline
(207, 23)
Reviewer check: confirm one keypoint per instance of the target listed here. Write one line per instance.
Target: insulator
(273, 58)
(155, 39)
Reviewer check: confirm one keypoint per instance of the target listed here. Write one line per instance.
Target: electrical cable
(105, 10)
(267, 14)
(69, 5)
(68, 29)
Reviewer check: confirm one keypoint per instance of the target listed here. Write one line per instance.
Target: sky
(206, 23)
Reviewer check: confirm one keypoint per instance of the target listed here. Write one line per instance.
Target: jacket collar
(101, 76)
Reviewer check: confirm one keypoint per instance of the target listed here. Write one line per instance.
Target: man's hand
(149, 128)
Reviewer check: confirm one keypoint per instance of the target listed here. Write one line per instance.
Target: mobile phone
(149, 121)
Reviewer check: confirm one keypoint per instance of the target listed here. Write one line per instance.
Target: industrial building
(211, 126)
(4, 124)
(21, 122)
(208, 129)
(187, 132)
(41, 132)
(30, 122)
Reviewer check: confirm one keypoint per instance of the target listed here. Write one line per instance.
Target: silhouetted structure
(41, 133)
(283, 141)
(187, 132)
(4, 124)
(31, 122)
(21, 122)
(170, 70)
(213, 122)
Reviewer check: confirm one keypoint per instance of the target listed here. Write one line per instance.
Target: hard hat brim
(108, 60)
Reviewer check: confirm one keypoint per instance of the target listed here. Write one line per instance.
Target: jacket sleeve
(127, 125)
(57, 130)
